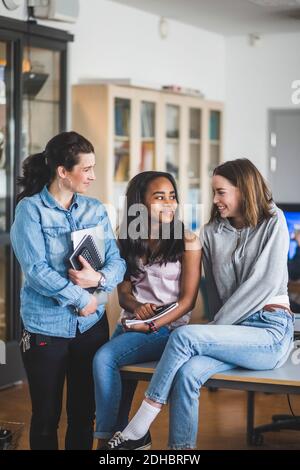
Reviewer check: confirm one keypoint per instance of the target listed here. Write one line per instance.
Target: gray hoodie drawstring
(245, 242)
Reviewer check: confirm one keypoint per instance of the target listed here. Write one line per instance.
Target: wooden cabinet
(136, 129)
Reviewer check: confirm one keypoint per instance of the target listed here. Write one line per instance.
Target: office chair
(279, 422)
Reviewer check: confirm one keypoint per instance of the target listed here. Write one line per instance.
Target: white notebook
(97, 233)
(161, 311)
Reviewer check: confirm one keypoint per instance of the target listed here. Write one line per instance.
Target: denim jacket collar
(49, 200)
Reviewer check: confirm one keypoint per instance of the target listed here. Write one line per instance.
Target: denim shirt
(41, 239)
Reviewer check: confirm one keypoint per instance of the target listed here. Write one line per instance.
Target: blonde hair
(256, 197)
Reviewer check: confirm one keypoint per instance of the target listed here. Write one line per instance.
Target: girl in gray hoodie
(245, 248)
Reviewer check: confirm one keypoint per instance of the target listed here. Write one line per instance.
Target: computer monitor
(292, 215)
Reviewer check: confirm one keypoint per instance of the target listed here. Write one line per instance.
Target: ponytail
(36, 173)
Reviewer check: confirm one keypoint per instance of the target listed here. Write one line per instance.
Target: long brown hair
(256, 196)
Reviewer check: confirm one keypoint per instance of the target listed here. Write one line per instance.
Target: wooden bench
(285, 379)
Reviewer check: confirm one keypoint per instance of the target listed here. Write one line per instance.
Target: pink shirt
(158, 284)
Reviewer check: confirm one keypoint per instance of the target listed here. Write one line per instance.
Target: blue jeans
(196, 352)
(114, 395)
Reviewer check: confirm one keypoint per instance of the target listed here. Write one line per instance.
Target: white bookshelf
(134, 129)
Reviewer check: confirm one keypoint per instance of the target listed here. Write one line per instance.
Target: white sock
(141, 421)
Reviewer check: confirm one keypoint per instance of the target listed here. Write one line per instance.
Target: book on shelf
(147, 156)
(214, 125)
(121, 172)
(122, 169)
(122, 117)
(159, 312)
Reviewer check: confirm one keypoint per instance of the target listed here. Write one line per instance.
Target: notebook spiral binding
(88, 249)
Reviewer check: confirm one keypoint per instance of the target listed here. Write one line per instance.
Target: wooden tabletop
(288, 374)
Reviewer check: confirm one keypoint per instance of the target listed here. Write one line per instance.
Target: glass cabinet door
(172, 140)
(121, 144)
(147, 155)
(214, 139)
(41, 98)
(122, 140)
(6, 149)
(194, 166)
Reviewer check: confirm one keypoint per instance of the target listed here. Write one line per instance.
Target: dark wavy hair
(40, 169)
(132, 250)
(256, 197)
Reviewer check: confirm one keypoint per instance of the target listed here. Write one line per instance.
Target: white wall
(113, 40)
(257, 79)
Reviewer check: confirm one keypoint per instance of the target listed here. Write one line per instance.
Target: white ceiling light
(12, 4)
(163, 28)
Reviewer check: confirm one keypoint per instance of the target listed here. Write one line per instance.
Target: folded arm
(29, 247)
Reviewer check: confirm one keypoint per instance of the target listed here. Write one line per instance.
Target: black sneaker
(119, 442)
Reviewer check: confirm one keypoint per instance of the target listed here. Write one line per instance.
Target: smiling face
(227, 198)
(160, 200)
(82, 174)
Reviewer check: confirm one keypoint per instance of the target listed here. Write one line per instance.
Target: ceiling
(227, 17)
